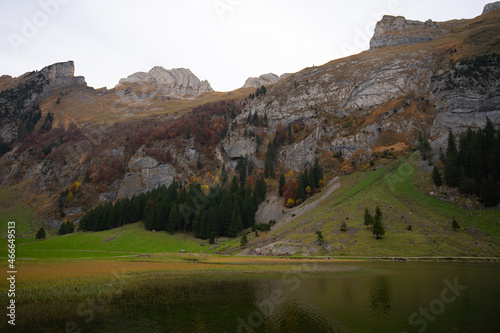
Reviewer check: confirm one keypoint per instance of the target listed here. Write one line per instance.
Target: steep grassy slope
(398, 189)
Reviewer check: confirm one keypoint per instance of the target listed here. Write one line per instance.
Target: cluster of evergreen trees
(375, 222)
(269, 170)
(29, 121)
(474, 166)
(224, 211)
(260, 91)
(67, 227)
(256, 120)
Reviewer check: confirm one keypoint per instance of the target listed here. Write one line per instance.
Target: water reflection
(376, 301)
(381, 296)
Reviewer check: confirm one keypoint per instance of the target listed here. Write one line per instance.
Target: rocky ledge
(63, 74)
(160, 83)
(393, 31)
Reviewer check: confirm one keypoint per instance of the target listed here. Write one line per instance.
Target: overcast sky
(222, 41)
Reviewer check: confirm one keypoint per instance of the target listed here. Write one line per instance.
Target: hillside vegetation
(401, 189)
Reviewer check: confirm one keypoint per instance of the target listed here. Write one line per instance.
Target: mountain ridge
(165, 125)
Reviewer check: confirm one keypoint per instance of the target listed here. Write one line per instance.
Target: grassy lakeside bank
(131, 239)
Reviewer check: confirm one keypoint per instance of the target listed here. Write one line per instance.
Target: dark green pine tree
(62, 229)
(269, 171)
(259, 192)
(224, 175)
(317, 173)
(40, 234)
(488, 195)
(494, 162)
(378, 215)
(235, 226)
(378, 227)
(248, 212)
(452, 163)
(173, 219)
(150, 219)
(211, 222)
(233, 188)
(198, 224)
(244, 240)
(368, 218)
(70, 228)
(281, 184)
(113, 215)
(436, 177)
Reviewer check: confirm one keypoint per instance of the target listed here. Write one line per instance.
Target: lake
(361, 297)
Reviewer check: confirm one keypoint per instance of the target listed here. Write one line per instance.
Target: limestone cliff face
(465, 96)
(30, 89)
(392, 31)
(62, 74)
(491, 7)
(145, 173)
(160, 83)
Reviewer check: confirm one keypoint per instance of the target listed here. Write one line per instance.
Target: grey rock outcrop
(465, 96)
(285, 248)
(298, 155)
(145, 173)
(238, 146)
(63, 74)
(392, 31)
(263, 80)
(160, 83)
(491, 7)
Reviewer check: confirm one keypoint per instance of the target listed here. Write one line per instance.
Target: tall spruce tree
(436, 177)
(368, 218)
(378, 227)
(41, 234)
(451, 165)
(281, 184)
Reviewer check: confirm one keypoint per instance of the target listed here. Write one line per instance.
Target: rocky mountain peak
(161, 83)
(264, 80)
(397, 30)
(491, 7)
(63, 74)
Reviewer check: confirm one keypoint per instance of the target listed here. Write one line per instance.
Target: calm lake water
(375, 297)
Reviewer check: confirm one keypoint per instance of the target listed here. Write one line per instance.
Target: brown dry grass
(50, 270)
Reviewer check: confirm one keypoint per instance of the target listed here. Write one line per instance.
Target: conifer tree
(173, 219)
(378, 227)
(451, 165)
(248, 212)
(301, 190)
(436, 177)
(368, 218)
(281, 184)
(40, 234)
(235, 226)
